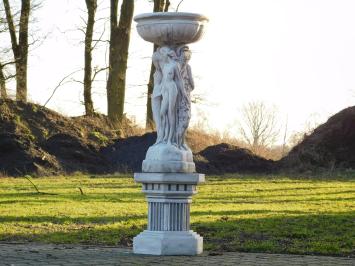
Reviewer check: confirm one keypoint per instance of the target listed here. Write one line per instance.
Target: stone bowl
(171, 28)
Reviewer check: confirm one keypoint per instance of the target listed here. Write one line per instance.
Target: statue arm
(179, 82)
(191, 79)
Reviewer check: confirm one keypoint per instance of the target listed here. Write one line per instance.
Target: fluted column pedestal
(169, 196)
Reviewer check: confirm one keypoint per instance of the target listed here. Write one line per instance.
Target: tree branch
(61, 83)
(97, 71)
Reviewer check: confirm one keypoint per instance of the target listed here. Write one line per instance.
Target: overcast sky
(298, 55)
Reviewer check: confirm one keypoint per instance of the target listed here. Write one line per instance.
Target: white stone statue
(171, 106)
(171, 102)
(168, 172)
(173, 83)
(184, 108)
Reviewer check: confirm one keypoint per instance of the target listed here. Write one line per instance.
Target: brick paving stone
(72, 255)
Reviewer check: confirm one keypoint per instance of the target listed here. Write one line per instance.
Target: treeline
(15, 24)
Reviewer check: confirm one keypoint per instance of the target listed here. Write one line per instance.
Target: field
(236, 213)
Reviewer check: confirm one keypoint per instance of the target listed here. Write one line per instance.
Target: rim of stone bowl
(171, 16)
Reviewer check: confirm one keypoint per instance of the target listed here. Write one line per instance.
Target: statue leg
(172, 113)
(156, 105)
(186, 125)
(166, 128)
(164, 125)
(183, 144)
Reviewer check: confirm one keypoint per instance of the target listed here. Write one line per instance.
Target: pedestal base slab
(168, 243)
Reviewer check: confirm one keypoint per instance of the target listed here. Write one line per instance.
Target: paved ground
(41, 254)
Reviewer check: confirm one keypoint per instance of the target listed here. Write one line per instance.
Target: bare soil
(330, 146)
(38, 141)
(225, 158)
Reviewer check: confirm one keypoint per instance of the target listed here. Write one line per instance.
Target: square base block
(168, 243)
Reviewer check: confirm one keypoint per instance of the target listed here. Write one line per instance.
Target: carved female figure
(170, 86)
(184, 108)
(170, 99)
(157, 95)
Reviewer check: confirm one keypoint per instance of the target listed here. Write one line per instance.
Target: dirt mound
(73, 154)
(19, 155)
(331, 145)
(39, 141)
(126, 155)
(226, 158)
(36, 140)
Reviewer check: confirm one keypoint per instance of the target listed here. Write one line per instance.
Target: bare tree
(3, 92)
(313, 121)
(284, 144)
(19, 45)
(62, 82)
(119, 44)
(258, 126)
(91, 6)
(5, 75)
(159, 6)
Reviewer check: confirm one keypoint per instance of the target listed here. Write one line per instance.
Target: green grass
(259, 214)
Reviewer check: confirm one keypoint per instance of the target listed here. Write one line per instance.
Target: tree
(118, 55)
(159, 6)
(313, 121)
(3, 92)
(91, 6)
(19, 45)
(258, 125)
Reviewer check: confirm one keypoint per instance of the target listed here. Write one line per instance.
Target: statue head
(156, 59)
(167, 53)
(184, 54)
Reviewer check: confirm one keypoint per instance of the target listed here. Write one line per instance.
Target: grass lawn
(260, 214)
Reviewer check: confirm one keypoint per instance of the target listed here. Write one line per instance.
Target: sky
(296, 55)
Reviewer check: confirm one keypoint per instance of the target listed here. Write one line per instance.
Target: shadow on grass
(237, 195)
(242, 199)
(113, 219)
(71, 220)
(120, 236)
(326, 234)
(242, 212)
(281, 189)
(27, 202)
(87, 197)
(286, 177)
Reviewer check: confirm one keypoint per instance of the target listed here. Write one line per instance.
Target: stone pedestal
(169, 196)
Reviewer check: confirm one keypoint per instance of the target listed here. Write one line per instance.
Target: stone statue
(171, 107)
(171, 104)
(169, 177)
(184, 108)
(157, 95)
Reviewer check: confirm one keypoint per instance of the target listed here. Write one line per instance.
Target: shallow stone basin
(171, 28)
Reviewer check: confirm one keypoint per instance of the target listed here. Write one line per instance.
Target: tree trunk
(119, 44)
(21, 86)
(3, 93)
(159, 6)
(89, 105)
(149, 122)
(20, 48)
